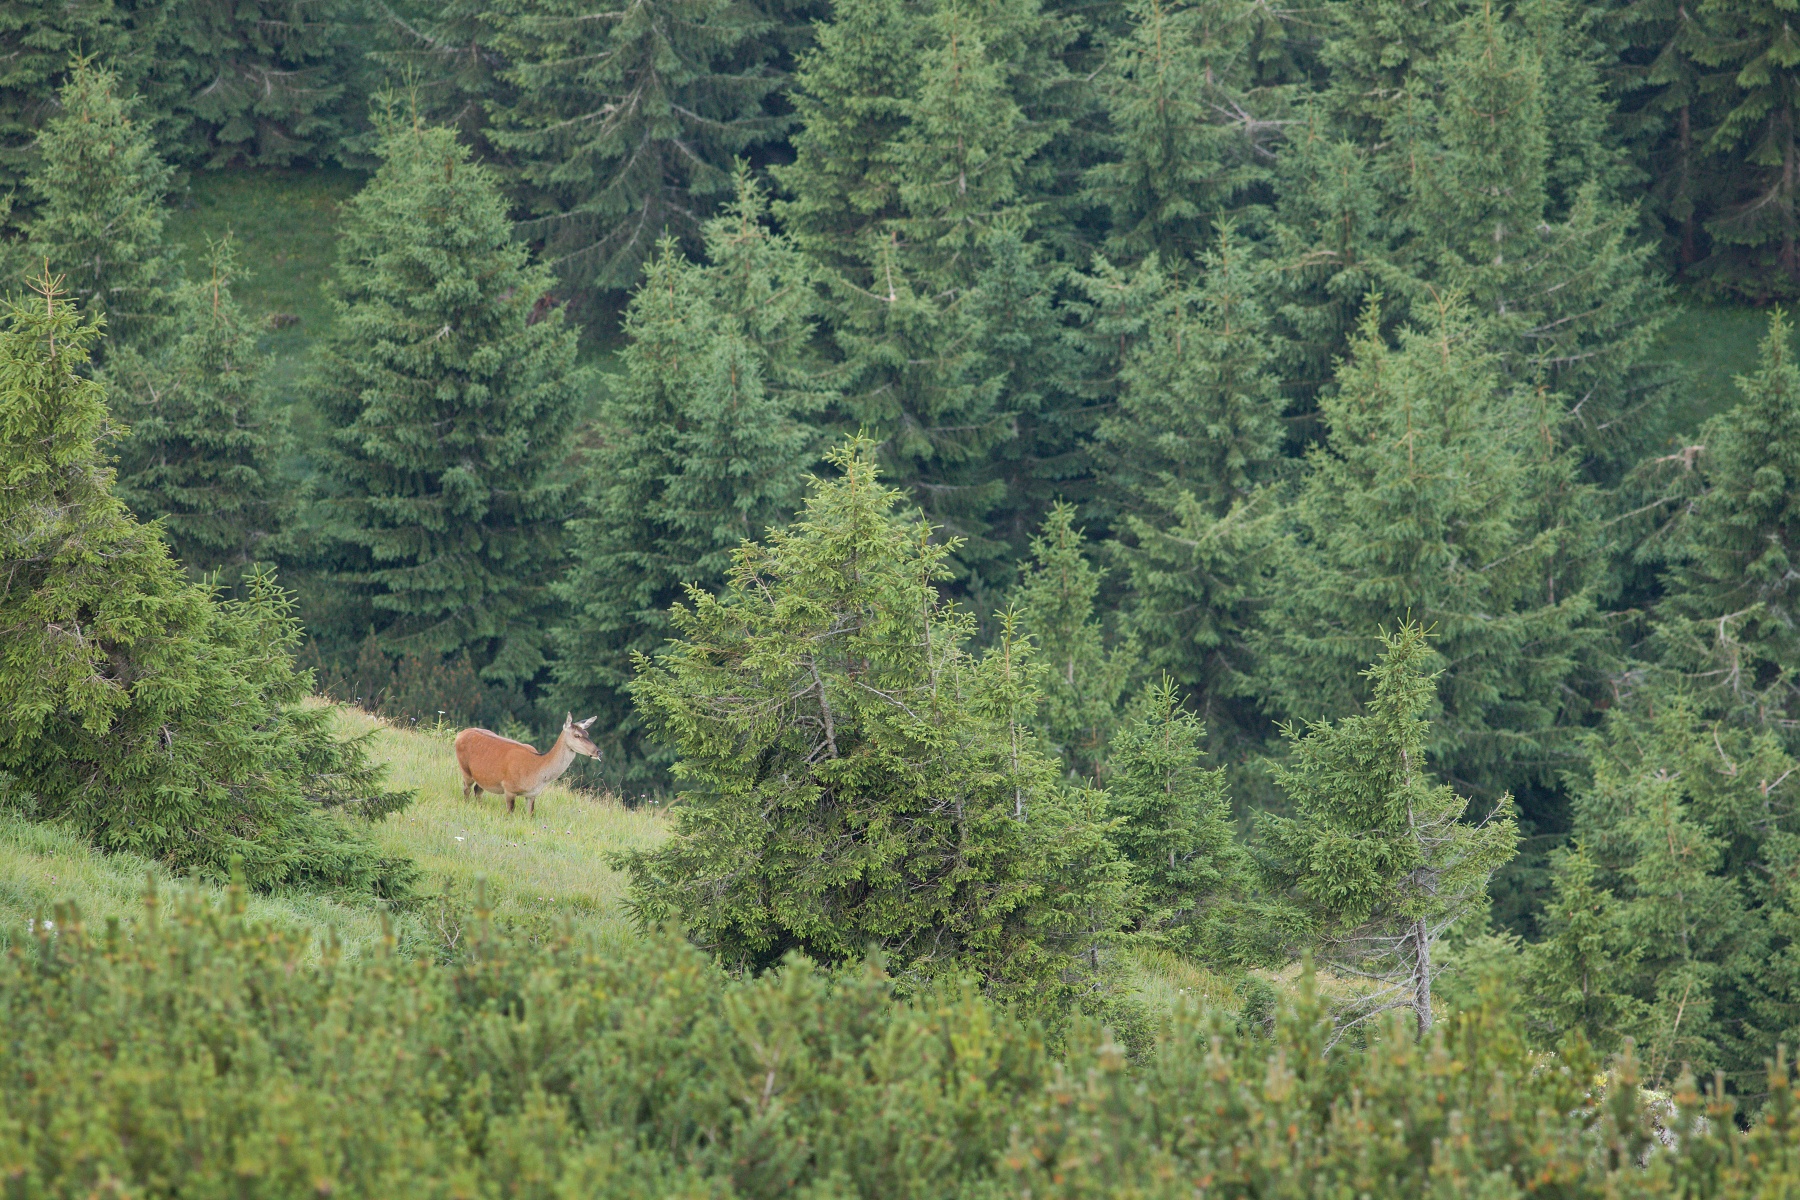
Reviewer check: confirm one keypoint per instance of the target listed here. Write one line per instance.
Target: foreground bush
(201, 1054)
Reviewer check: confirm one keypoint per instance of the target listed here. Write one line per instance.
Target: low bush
(199, 1053)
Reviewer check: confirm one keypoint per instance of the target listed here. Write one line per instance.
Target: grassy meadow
(540, 875)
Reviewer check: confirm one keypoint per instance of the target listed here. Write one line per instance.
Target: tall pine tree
(1377, 854)
(137, 709)
(450, 401)
(1084, 679)
(854, 776)
(98, 191)
(623, 123)
(1426, 502)
(203, 439)
(1187, 127)
(1729, 618)
(703, 442)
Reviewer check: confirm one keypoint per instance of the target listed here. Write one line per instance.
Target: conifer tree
(623, 123)
(38, 38)
(853, 776)
(137, 709)
(1675, 813)
(1377, 854)
(449, 408)
(850, 103)
(1199, 409)
(1178, 96)
(1578, 978)
(917, 167)
(1174, 826)
(1755, 226)
(1730, 606)
(99, 187)
(202, 438)
(1662, 111)
(265, 82)
(704, 442)
(1334, 229)
(1083, 679)
(1427, 502)
(1565, 282)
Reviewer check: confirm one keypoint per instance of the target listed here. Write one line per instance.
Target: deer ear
(568, 719)
(586, 723)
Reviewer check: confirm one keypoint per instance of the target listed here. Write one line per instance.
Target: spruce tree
(1427, 502)
(854, 777)
(918, 167)
(202, 442)
(41, 42)
(98, 190)
(1676, 811)
(1755, 226)
(1526, 227)
(138, 709)
(1378, 856)
(623, 123)
(1728, 615)
(266, 82)
(1578, 979)
(449, 408)
(1084, 680)
(704, 442)
(1174, 826)
(1199, 406)
(1179, 100)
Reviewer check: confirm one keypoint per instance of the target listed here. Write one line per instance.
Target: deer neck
(556, 760)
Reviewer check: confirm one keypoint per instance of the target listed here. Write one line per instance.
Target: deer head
(576, 734)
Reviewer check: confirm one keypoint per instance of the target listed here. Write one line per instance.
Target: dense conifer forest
(1029, 489)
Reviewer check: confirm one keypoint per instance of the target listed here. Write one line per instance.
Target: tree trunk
(1422, 976)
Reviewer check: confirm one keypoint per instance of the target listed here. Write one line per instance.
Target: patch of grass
(1715, 342)
(42, 866)
(540, 871)
(539, 874)
(284, 223)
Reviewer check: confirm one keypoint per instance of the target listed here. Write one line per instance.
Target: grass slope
(537, 874)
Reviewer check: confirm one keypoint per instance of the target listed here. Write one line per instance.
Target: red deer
(491, 763)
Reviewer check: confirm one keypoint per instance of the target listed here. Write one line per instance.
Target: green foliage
(40, 41)
(1576, 978)
(922, 143)
(1688, 821)
(198, 1051)
(702, 443)
(622, 124)
(449, 399)
(1178, 95)
(202, 440)
(1727, 619)
(852, 776)
(1174, 826)
(99, 188)
(1440, 496)
(1377, 855)
(1199, 407)
(1083, 679)
(264, 83)
(138, 709)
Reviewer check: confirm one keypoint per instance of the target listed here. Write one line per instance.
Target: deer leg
(531, 805)
(467, 784)
(509, 802)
